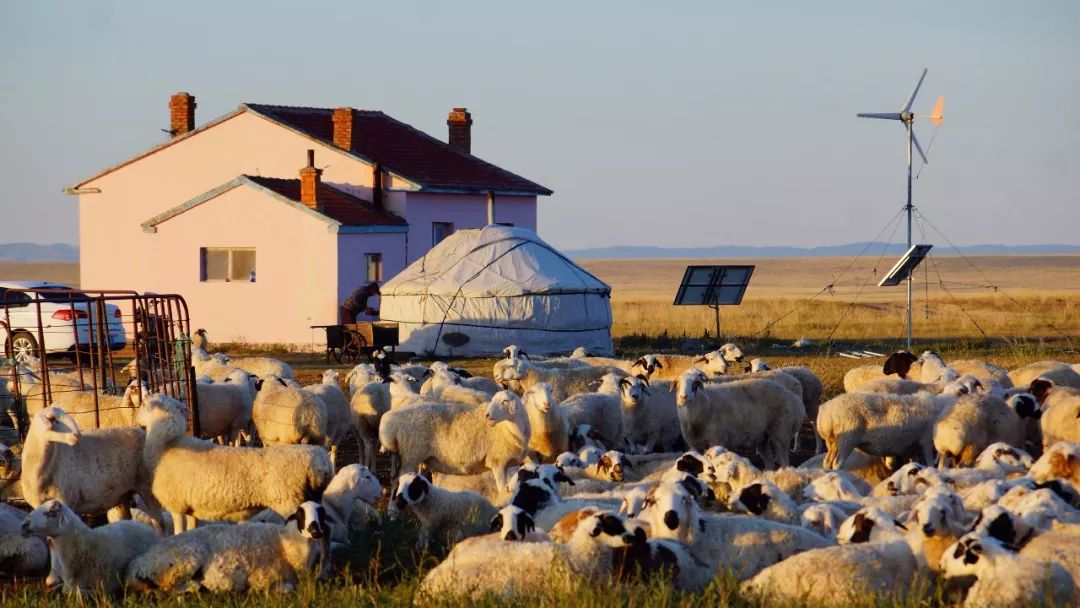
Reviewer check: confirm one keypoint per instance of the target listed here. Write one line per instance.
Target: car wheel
(23, 347)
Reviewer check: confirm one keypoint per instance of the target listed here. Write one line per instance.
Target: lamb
(339, 415)
(972, 423)
(352, 483)
(452, 438)
(550, 427)
(444, 515)
(879, 424)
(225, 558)
(650, 417)
(229, 479)
(225, 407)
(88, 558)
(1061, 374)
(1060, 419)
(285, 415)
(869, 524)
(360, 376)
(1004, 578)
(519, 375)
(748, 414)
(601, 411)
(18, 555)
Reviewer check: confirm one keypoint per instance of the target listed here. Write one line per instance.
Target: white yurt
(479, 290)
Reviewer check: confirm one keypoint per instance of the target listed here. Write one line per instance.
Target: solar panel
(905, 266)
(713, 285)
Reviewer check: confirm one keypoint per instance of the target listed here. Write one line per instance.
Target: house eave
(340, 229)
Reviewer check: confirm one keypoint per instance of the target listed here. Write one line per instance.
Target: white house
(266, 218)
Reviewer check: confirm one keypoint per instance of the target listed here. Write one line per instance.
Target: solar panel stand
(716, 309)
(714, 286)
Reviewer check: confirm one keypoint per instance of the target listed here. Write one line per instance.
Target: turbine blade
(886, 115)
(911, 100)
(915, 140)
(937, 115)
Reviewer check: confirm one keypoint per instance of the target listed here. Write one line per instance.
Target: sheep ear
(603, 464)
(526, 355)
(643, 378)
(496, 523)
(659, 365)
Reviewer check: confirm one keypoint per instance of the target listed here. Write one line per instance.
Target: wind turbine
(907, 118)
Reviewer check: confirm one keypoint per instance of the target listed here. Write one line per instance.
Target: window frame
(433, 228)
(377, 258)
(204, 268)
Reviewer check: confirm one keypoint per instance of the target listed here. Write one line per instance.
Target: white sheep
(1060, 461)
(548, 422)
(809, 383)
(88, 559)
(361, 375)
(1060, 419)
(879, 424)
(601, 411)
(650, 417)
(513, 523)
(18, 555)
(352, 483)
(1004, 578)
(444, 515)
(748, 414)
(89, 410)
(972, 423)
(1057, 545)
(901, 363)
(264, 367)
(339, 415)
(370, 402)
(519, 375)
(226, 558)
(869, 524)
(672, 367)
(459, 439)
(196, 479)
(285, 415)
(1061, 374)
(225, 407)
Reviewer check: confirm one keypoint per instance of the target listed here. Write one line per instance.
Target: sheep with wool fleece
(230, 479)
(650, 417)
(459, 439)
(89, 410)
(933, 369)
(1004, 578)
(264, 366)
(901, 363)
(972, 423)
(548, 422)
(286, 415)
(513, 523)
(601, 410)
(519, 375)
(226, 558)
(19, 555)
(87, 558)
(225, 407)
(1061, 374)
(546, 507)
(1060, 461)
(748, 414)
(672, 367)
(1057, 545)
(1060, 419)
(879, 424)
(444, 515)
(810, 386)
(339, 415)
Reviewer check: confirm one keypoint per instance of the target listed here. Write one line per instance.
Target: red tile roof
(337, 205)
(404, 150)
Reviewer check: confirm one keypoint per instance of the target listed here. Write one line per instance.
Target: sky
(655, 123)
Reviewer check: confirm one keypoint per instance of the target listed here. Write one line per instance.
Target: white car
(66, 321)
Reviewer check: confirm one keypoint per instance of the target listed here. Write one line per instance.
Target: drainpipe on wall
(491, 207)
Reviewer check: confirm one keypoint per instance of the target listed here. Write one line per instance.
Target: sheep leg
(926, 444)
(500, 478)
(844, 448)
(179, 522)
(818, 445)
(56, 568)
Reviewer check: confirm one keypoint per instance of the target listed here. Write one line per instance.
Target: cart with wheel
(352, 342)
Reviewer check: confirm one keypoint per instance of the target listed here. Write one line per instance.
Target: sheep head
(59, 426)
(310, 521)
(331, 377)
(513, 351)
(867, 524)
(899, 363)
(688, 386)
(614, 465)
(675, 509)
(50, 519)
(649, 364)
(504, 406)
(539, 396)
(1000, 455)
(569, 459)
(512, 523)
(712, 363)
(634, 390)
(411, 490)
(731, 353)
(940, 512)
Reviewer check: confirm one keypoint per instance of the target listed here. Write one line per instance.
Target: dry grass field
(57, 272)
(1037, 296)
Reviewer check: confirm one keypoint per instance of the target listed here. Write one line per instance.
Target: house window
(439, 231)
(227, 264)
(374, 267)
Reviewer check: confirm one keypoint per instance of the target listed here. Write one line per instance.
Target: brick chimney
(309, 183)
(343, 128)
(460, 123)
(181, 114)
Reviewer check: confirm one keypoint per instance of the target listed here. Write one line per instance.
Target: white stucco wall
(464, 211)
(296, 268)
(352, 265)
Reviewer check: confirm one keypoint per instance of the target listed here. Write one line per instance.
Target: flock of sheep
(566, 470)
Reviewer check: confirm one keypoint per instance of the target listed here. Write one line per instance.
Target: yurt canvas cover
(481, 289)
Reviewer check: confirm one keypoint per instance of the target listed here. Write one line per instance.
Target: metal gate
(63, 342)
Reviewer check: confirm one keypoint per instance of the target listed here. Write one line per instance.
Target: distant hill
(851, 249)
(36, 252)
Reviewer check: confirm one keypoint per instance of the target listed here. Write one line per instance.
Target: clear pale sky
(656, 123)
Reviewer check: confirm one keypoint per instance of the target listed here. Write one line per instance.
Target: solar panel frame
(905, 265)
(714, 285)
